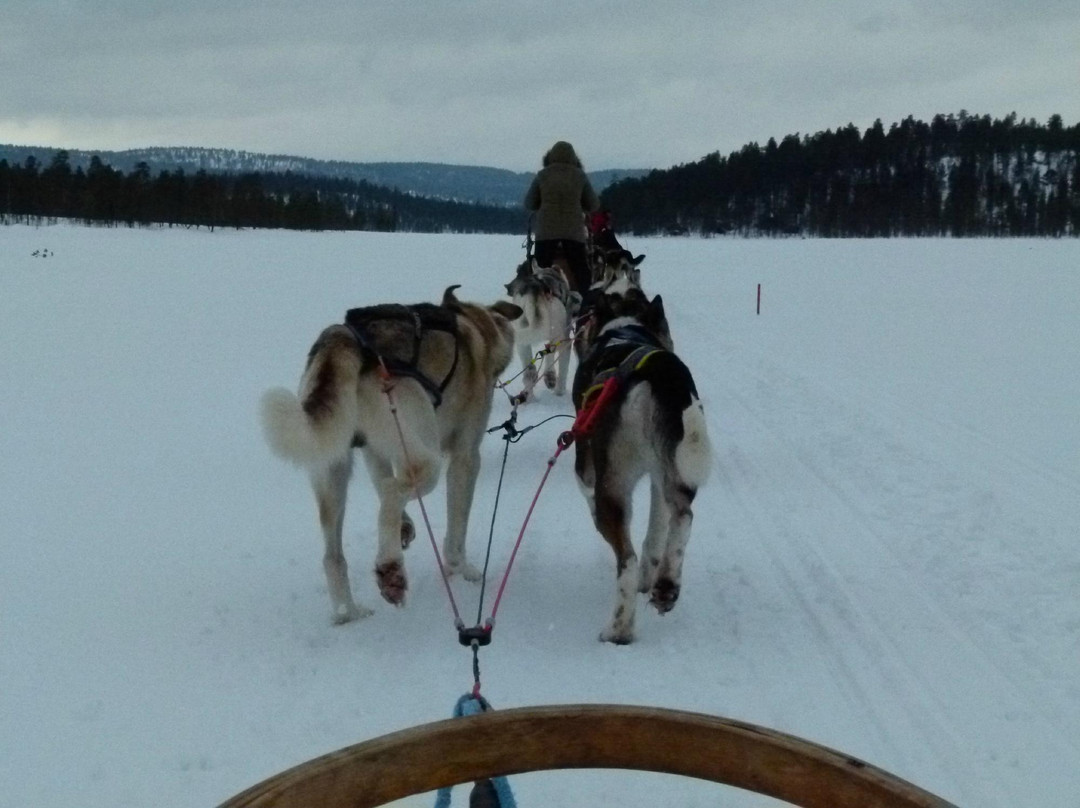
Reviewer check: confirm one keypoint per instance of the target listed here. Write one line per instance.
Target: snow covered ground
(886, 560)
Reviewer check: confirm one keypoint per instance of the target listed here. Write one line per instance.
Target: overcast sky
(639, 83)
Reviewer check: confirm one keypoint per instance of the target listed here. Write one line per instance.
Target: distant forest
(32, 192)
(959, 175)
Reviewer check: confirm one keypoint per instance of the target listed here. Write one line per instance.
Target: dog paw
(550, 380)
(617, 635)
(347, 612)
(531, 375)
(665, 593)
(392, 582)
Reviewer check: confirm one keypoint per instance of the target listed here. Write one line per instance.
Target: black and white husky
(650, 422)
(544, 296)
(617, 272)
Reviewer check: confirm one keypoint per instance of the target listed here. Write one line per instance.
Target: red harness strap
(598, 397)
(593, 408)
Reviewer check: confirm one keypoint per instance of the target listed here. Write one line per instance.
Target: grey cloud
(630, 83)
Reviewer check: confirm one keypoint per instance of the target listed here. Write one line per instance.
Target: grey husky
(548, 305)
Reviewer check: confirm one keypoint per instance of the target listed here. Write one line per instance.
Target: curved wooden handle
(504, 742)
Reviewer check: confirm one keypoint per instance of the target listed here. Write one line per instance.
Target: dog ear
(506, 309)
(637, 261)
(655, 311)
(448, 297)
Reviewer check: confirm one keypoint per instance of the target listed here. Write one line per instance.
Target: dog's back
(657, 412)
(543, 295)
(341, 404)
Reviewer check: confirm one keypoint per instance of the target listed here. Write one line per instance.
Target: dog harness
(423, 317)
(622, 353)
(555, 285)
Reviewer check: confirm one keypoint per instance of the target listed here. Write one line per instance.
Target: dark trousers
(576, 259)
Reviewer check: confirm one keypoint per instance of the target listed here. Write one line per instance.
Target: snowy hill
(463, 183)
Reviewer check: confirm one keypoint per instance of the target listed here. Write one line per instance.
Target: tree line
(32, 192)
(959, 175)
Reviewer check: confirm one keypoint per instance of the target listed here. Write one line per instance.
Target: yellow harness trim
(597, 386)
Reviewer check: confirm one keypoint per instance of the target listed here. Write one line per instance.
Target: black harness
(553, 283)
(617, 354)
(421, 317)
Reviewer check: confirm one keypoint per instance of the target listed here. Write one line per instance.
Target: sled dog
(618, 272)
(547, 303)
(439, 363)
(651, 424)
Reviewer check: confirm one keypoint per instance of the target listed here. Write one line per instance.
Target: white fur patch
(288, 429)
(693, 455)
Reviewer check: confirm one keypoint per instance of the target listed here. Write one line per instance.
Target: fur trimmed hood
(560, 194)
(562, 152)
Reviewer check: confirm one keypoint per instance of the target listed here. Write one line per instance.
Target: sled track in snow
(812, 528)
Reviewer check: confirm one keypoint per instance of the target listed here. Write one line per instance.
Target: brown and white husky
(442, 362)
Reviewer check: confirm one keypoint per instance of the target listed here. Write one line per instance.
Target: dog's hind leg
(403, 458)
(549, 368)
(331, 486)
(378, 469)
(390, 559)
(613, 522)
(420, 475)
(585, 473)
(551, 318)
(460, 485)
(668, 581)
(529, 375)
(408, 530)
(687, 472)
(563, 363)
(652, 550)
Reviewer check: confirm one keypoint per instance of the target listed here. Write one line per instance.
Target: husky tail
(319, 425)
(693, 456)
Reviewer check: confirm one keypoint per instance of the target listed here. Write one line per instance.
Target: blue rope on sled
(483, 789)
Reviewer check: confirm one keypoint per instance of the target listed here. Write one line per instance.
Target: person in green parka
(561, 195)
